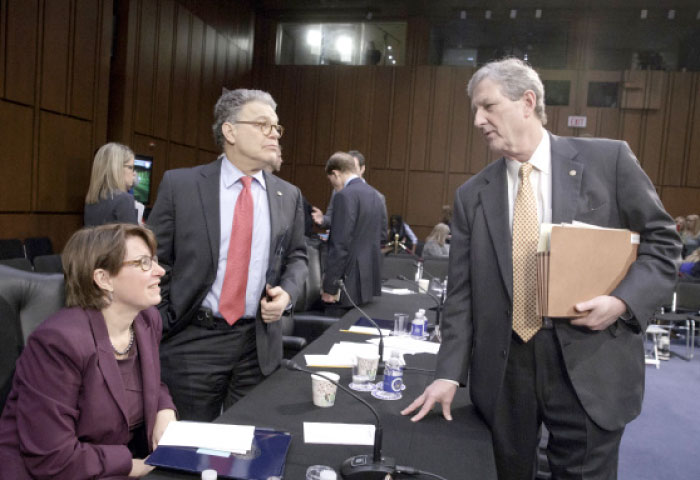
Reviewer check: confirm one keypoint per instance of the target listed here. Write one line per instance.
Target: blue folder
(383, 323)
(266, 458)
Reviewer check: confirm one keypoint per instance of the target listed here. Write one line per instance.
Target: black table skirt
(457, 450)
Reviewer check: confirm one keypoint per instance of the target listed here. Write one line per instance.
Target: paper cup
(322, 391)
(401, 324)
(423, 285)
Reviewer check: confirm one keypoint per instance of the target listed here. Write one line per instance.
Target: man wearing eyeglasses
(231, 238)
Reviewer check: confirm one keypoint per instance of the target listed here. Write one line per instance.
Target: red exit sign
(577, 121)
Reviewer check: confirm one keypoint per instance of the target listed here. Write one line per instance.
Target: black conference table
(457, 450)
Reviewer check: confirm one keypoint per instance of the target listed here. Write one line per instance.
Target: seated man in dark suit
(356, 228)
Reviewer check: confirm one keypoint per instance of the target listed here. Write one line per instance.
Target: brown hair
(342, 162)
(92, 248)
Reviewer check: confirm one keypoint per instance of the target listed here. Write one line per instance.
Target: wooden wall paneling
(21, 50)
(693, 162)
(286, 114)
(244, 77)
(232, 56)
(391, 183)
(100, 103)
(362, 115)
(54, 55)
(314, 185)
(158, 149)
(420, 116)
(454, 181)
(194, 77)
(210, 91)
(631, 129)
(16, 157)
(441, 113)
(653, 136)
(560, 126)
(380, 127)
(86, 45)
(275, 87)
(323, 129)
(424, 198)
(180, 75)
(593, 117)
(681, 200)
(181, 156)
(3, 46)
(146, 67)
(676, 131)
(608, 123)
(65, 161)
(461, 122)
(346, 95)
(162, 106)
(400, 117)
(304, 118)
(58, 228)
(205, 156)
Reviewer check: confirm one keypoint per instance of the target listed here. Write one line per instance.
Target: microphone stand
(380, 366)
(358, 467)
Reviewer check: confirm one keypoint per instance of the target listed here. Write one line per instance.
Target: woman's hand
(139, 468)
(163, 418)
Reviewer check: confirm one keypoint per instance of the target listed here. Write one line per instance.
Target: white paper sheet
(328, 360)
(369, 330)
(406, 344)
(338, 433)
(397, 291)
(227, 438)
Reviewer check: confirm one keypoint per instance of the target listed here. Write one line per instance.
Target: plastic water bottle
(419, 270)
(418, 325)
(393, 377)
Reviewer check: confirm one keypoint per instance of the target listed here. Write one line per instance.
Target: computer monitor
(143, 167)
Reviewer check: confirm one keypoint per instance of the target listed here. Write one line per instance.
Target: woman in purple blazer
(87, 400)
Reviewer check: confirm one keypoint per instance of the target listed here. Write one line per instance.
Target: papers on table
(406, 345)
(342, 354)
(338, 433)
(368, 330)
(226, 438)
(397, 291)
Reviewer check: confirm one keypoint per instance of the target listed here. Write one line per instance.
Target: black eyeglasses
(144, 261)
(265, 127)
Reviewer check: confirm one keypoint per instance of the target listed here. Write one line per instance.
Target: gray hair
(515, 77)
(229, 105)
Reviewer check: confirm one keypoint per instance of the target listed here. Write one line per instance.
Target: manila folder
(585, 263)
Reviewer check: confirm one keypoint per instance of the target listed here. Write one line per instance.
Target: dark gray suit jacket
(354, 252)
(185, 219)
(594, 181)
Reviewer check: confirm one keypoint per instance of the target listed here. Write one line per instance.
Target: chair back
(688, 297)
(436, 266)
(20, 263)
(48, 264)
(26, 300)
(37, 246)
(394, 266)
(11, 248)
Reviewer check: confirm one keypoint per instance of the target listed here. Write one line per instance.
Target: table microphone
(380, 367)
(358, 467)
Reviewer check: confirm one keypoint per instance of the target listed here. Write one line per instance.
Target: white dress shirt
(229, 189)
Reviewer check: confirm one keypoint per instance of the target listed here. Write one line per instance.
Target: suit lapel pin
(572, 172)
(279, 194)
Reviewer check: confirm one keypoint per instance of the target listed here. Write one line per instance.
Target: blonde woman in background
(107, 200)
(691, 234)
(436, 244)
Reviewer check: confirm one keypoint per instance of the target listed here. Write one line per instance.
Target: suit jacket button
(504, 353)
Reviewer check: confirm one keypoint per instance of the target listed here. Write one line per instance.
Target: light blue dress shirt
(229, 189)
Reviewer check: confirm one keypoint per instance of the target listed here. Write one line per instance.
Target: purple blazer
(66, 415)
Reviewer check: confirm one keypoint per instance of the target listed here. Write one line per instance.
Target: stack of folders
(577, 262)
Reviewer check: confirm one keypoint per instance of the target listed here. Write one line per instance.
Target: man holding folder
(582, 377)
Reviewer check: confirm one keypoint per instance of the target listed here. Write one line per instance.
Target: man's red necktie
(232, 301)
